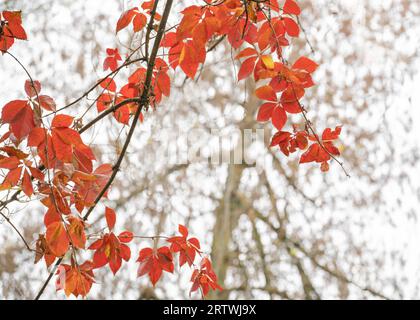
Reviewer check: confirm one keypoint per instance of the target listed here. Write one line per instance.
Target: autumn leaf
(291, 7)
(266, 93)
(247, 67)
(32, 88)
(125, 19)
(187, 248)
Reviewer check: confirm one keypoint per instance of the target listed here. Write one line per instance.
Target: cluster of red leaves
(153, 261)
(204, 278)
(111, 249)
(10, 29)
(321, 150)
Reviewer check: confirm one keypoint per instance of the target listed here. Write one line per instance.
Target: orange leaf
(246, 53)
(27, 184)
(268, 62)
(77, 232)
(292, 28)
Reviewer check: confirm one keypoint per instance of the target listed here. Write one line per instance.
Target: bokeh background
(280, 231)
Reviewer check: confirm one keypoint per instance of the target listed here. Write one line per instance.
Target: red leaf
(111, 61)
(265, 111)
(11, 110)
(267, 61)
(32, 90)
(246, 68)
(325, 167)
(109, 84)
(246, 53)
(78, 280)
(14, 27)
(104, 101)
(27, 184)
(62, 121)
(292, 28)
(164, 83)
(280, 137)
(110, 217)
(279, 118)
(11, 179)
(290, 99)
(51, 216)
(9, 163)
(328, 134)
(183, 230)
(125, 236)
(153, 262)
(110, 250)
(77, 232)
(96, 245)
(204, 278)
(36, 137)
(11, 28)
